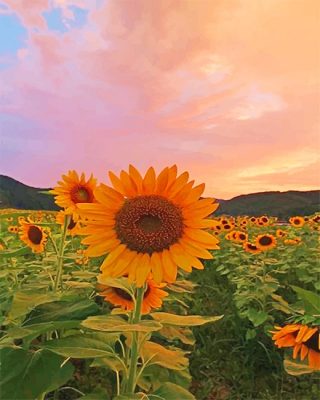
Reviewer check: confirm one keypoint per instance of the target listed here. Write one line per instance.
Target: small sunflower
(13, 229)
(297, 221)
(73, 190)
(303, 339)
(293, 241)
(253, 219)
(149, 224)
(251, 248)
(280, 233)
(241, 236)
(265, 242)
(264, 220)
(34, 236)
(73, 227)
(152, 297)
(9, 219)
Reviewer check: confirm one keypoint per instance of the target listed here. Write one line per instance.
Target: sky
(226, 89)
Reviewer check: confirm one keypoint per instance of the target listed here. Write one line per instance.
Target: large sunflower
(149, 224)
(72, 190)
(32, 235)
(265, 242)
(304, 340)
(152, 297)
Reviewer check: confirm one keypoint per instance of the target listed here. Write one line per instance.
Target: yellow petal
(149, 181)
(195, 250)
(136, 177)
(112, 256)
(169, 267)
(156, 267)
(143, 270)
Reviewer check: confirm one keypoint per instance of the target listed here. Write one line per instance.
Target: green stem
(58, 279)
(131, 385)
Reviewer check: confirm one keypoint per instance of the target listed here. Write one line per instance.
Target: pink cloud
(201, 84)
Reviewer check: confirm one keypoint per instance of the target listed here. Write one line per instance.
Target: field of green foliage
(66, 342)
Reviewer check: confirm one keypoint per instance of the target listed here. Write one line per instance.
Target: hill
(278, 204)
(14, 194)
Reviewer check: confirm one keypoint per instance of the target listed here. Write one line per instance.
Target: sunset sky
(226, 89)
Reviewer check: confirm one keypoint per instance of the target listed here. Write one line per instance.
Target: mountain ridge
(15, 194)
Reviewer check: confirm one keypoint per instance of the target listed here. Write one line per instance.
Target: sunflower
(152, 297)
(241, 236)
(280, 233)
(253, 219)
(34, 236)
(73, 227)
(293, 241)
(73, 190)
(9, 219)
(149, 224)
(13, 229)
(265, 241)
(264, 220)
(251, 248)
(297, 221)
(304, 340)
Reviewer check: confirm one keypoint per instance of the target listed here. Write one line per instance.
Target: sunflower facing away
(304, 340)
(72, 190)
(149, 224)
(33, 236)
(152, 297)
(73, 226)
(265, 242)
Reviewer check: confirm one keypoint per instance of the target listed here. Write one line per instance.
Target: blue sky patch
(13, 35)
(56, 21)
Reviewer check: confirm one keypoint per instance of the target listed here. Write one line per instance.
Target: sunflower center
(72, 224)
(81, 194)
(126, 296)
(35, 234)
(148, 224)
(265, 241)
(242, 236)
(252, 246)
(313, 342)
(296, 221)
(122, 293)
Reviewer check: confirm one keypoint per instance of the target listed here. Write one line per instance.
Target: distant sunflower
(264, 219)
(297, 221)
(293, 241)
(241, 237)
(9, 219)
(253, 219)
(13, 229)
(303, 339)
(265, 242)
(34, 236)
(280, 233)
(152, 297)
(73, 227)
(316, 219)
(151, 224)
(251, 248)
(73, 190)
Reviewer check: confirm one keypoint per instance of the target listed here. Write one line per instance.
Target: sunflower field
(135, 290)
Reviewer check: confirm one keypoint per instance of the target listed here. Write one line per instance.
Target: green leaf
(296, 368)
(311, 301)
(25, 301)
(117, 324)
(15, 253)
(182, 333)
(171, 358)
(257, 317)
(26, 375)
(75, 309)
(182, 320)
(37, 329)
(83, 346)
(170, 391)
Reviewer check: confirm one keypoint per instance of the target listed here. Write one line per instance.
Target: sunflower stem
(58, 279)
(131, 385)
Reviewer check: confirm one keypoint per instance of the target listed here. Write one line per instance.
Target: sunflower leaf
(183, 320)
